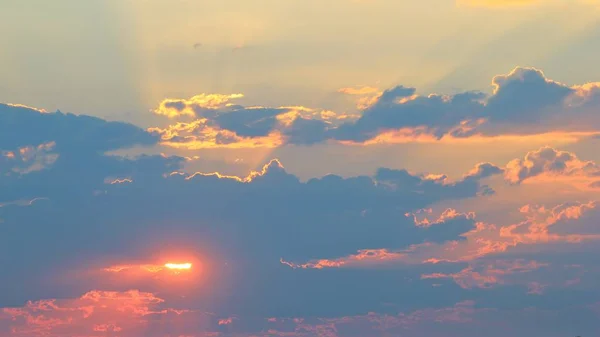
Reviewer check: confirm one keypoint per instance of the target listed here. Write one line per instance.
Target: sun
(178, 266)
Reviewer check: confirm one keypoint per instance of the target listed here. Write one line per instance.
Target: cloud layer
(97, 244)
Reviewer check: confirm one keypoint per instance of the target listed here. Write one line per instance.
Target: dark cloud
(22, 126)
(307, 131)
(524, 95)
(254, 122)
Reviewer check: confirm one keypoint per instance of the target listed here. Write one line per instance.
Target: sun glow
(150, 268)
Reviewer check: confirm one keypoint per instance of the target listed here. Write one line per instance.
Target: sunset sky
(315, 168)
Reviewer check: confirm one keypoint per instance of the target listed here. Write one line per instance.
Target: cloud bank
(97, 244)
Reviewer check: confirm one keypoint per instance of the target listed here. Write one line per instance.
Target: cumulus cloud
(548, 163)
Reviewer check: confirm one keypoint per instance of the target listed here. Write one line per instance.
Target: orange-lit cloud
(114, 181)
(366, 257)
(199, 134)
(149, 268)
(208, 132)
(226, 321)
(272, 164)
(541, 220)
(364, 90)
(141, 314)
(103, 313)
(367, 96)
(543, 227)
(425, 136)
(550, 165)
(26, 107)
(192, 107)
(446, 215)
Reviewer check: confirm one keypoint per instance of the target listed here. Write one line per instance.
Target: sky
(339, 168)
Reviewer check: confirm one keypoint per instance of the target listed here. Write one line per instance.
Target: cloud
(548, 163)
(135, 314)
(449, 224)
(366, 255)
(238, 228)
(524, 102)
(21, 127)
(524, 95)
(367, 96)
(102, 313)
(199, 134)
(544, 228)
(194, 106)
(241, 127)
(380, 200)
